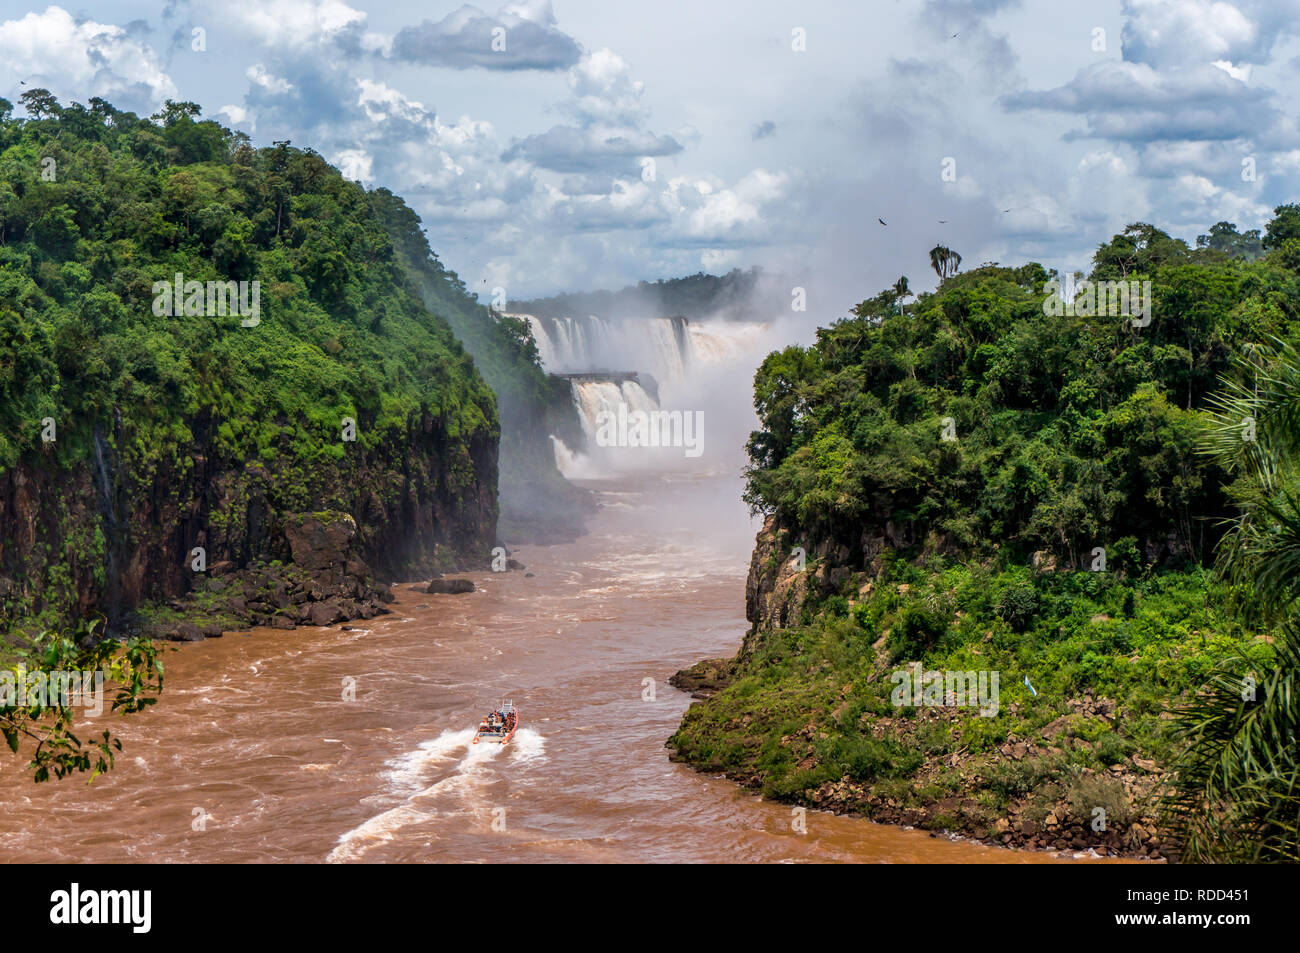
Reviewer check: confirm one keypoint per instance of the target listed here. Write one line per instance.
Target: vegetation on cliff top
(1070, 431)
(695, 296)
(1066, 437)
(536, 501)
(98, 205)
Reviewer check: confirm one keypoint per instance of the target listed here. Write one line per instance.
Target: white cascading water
(659, 347)
(685, 360)
(719, 343)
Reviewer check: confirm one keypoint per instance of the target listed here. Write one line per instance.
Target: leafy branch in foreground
(1234, 793)
(44, 683)
(1256, 437)
(1236, 796)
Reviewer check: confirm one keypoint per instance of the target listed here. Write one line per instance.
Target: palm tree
(902, 291)
(944, 261)
(1257, 438)
(1234, 794)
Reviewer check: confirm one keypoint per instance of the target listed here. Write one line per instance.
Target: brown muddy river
(254, 735)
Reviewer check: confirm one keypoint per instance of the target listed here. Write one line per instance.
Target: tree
(174, 112)
(777, 398)
(1224, 237)
(1235, 791)
(1285, 225)
(1139, 248)
(903, 291)
(944, 261)
(102, 109)
(40, 103)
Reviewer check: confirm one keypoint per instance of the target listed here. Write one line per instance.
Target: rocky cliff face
(780, 582)
(113, 536)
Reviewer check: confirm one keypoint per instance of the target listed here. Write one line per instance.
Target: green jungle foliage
(96, 205)
(1071, 432)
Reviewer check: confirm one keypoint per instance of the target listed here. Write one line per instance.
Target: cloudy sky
(568, 144)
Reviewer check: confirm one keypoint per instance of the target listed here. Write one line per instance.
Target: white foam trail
(406, 771)
(527, 745)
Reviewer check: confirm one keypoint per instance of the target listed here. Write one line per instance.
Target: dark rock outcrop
(392, 511)
(321, 540)
(705, 677)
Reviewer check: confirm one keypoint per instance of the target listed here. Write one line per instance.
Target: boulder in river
(186, 632)
(325, 613)
(450, 586)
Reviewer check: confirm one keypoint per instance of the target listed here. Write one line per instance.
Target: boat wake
(408, 777)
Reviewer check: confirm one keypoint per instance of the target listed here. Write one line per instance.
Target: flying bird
(883, 222)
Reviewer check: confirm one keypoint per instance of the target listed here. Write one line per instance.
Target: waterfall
(596, 397)
(105, 485)
(660, 347)
(725, 342)
(644, 365)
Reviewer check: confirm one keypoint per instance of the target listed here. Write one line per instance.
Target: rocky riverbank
(325, 582)
(806, 713)
(1096, 812)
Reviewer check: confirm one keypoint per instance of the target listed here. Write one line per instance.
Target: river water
(255, 754)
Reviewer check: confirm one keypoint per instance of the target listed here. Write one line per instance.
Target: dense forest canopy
(96, 205)
(343, 392)
(1065, 432)
(1099, 508)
